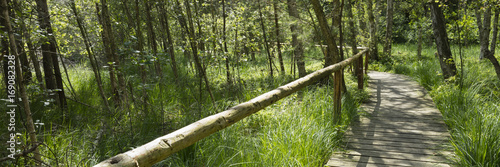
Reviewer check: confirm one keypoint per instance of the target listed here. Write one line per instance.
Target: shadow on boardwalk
(399, 126)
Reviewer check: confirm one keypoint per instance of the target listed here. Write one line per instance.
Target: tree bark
(491, 54)
(22, 87)
(140, 48)
(152, 38)
(265, 39)
(373, 30)
(419, 43)
(331, 58)
(32, 55)
(226, 52)
(277, 28)
(194, 47)
(170, 42)
(296, 29)
(53, 80)
(441, 37)
(358, 63)
(388, 33)
(484, 29)
(108, 49)
(20, 43)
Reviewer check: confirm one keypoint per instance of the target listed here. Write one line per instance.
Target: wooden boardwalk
(399, 126)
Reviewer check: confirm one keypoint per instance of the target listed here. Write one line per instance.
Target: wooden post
(337, 97)
(367, 58)
(359, 72)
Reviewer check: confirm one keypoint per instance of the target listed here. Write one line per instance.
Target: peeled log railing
(162, 147)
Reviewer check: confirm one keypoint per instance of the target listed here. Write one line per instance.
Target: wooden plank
(410, 150)
(422, 145)
(379, 162)
(396, 155)
(396, 139)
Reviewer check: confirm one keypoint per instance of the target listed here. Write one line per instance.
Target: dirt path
(399, 126)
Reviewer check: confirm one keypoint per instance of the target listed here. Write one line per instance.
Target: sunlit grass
(295, 131)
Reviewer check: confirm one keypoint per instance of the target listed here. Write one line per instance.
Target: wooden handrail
(164, 146)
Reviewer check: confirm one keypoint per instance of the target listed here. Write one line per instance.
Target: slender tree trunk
(361, 18)
(20, 44)
(83, 31)
(491, 55)
(419, 45)
(140, 48)
(226, 54)
(194, 47)
(373, 30)
(52, 73)
(22, 87)
(170, 42)
(103, 19)
(358, 64)
(331, 58)
(296, 29)
(4, 46)
(443, 48)
(280, 57)
(152, 37)
(32, 55)
(265, 39)
(388, 33)
(484, 29)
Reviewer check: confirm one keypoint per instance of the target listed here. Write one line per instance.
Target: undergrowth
(295, 131)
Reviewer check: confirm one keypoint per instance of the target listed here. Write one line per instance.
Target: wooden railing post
(337, 97)
(367, 60)
(359, 72)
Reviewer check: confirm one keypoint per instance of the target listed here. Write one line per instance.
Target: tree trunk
(491, 55)
(331, 58)
(358, 64)
(484, 29)
(226, 52)
(170, 42)
(443, 48)
(373, 30)
(104, 20)
(53, 80)
(93, 64)
(280, 57)
(194, 47)
(22, 87)
(296, 29)
(4, 46)
(140, 48)
(419, 45)
(388, 33)
(152, 38)
(32, 55)
(20, 46)
(265, 39)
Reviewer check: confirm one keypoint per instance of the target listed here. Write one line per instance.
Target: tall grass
(468, 102)
(296, 131)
